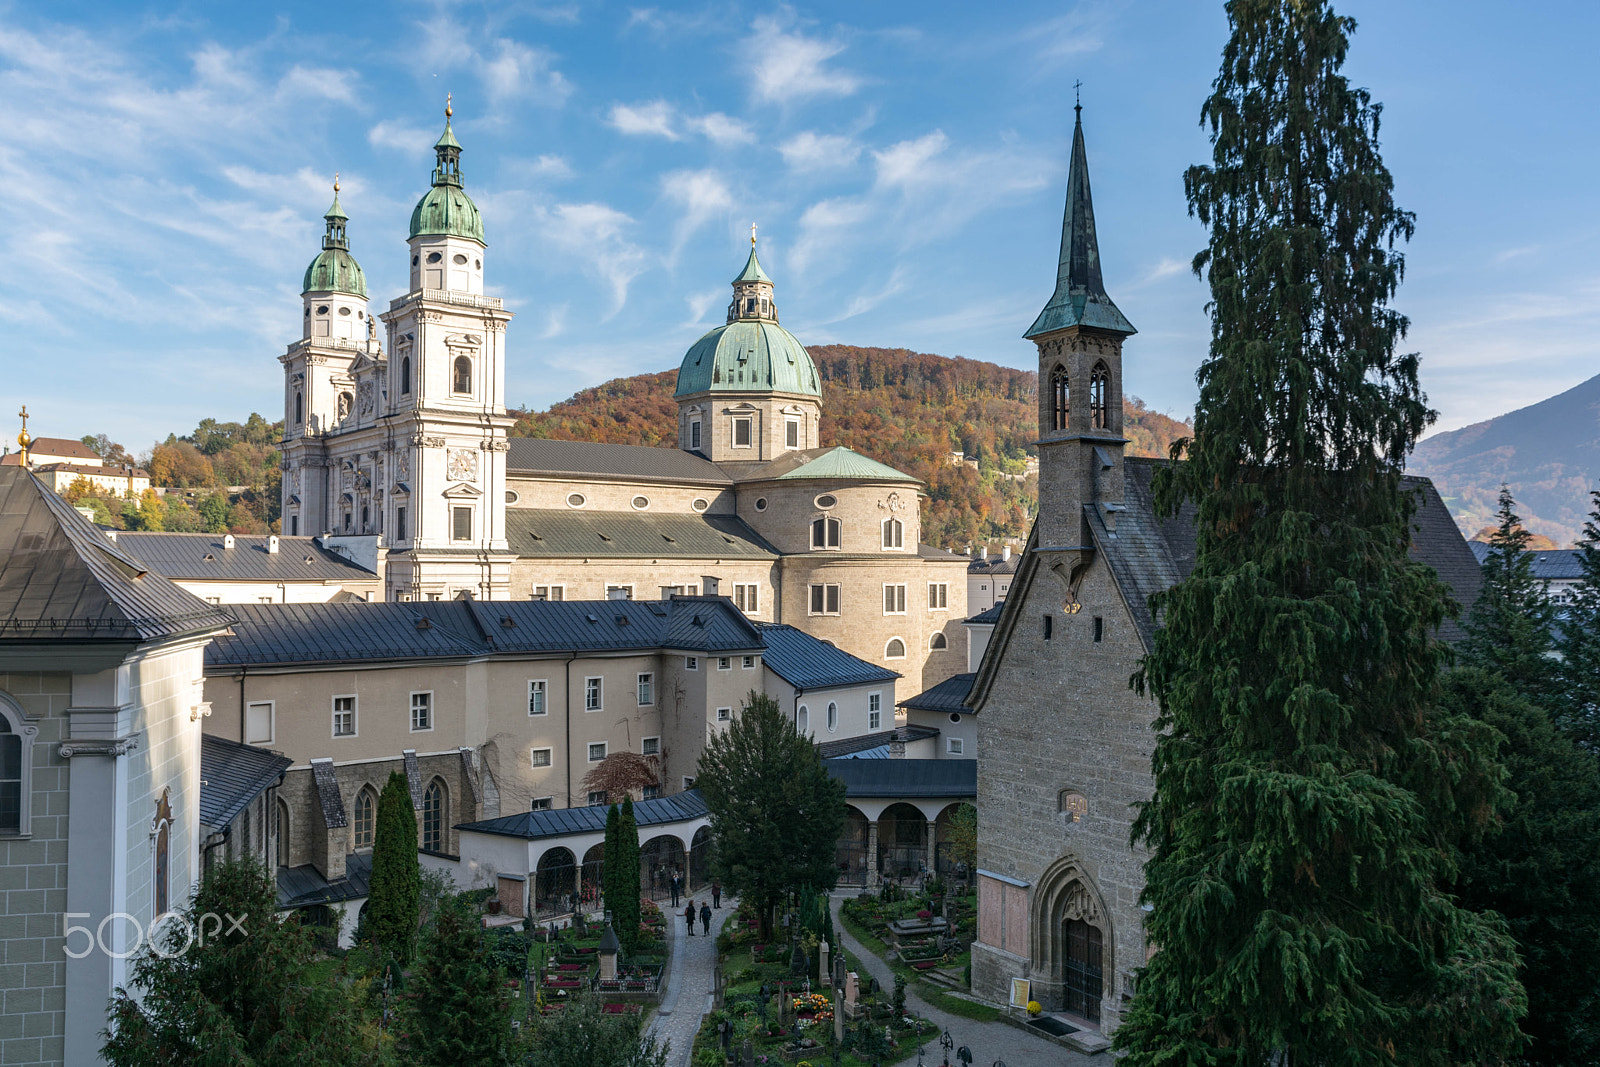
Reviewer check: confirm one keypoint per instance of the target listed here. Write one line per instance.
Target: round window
(575, 500)
(460, 260)
(511, 496)
(700, 503)
(322, 309)
(434, 257)
(761, 503)
(640, 503)
(827, 500)
(954, 717)
(344, 311)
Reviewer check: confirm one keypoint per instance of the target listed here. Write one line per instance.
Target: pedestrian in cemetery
(688, 917)
(716, 894)
(705, 919)
(677, 887)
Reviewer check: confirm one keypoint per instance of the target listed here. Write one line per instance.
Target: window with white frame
(938, 596)
(344, 716)
(724, 714)
(598, 797)
(688, 782)
(802, 719)
(538, 692)
(825, 532)
(791, 433)
(895, 649)
(954, 745)
(258, 722)
(694, 435)
(597, 751)
(691, 663)
(541, 758)
(724, 663)
(874, 711)
(894, 599)
(421, 711)
(591, 694)
(549, 592)
(541, 803)
(16, 772)
(460, 524)
(747, 598)
(824, 600)
(650, 746)
(612, 592)
(743, 432)
(647, 690)
(749, 663)
(894, 533)
(833, 717)
(937, 642)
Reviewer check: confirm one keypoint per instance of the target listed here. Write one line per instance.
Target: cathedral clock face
(461, 465)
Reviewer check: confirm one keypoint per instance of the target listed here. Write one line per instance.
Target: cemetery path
(988, 1041)
(687, 997)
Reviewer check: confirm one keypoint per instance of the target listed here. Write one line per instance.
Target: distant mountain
(1548, 453)
(907, 409)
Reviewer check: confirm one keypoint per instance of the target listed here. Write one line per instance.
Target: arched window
(433, 802)
(893, 533)
(462, 382)
(366, 820)
(833, 717)
(937, 641)
(895, 649)
(299, 408)
(16, 767)
(802, 720)
(825, 532)
(1099, 386)
(163, 876)
(1060, 396)
(283, 833)
(405, 376)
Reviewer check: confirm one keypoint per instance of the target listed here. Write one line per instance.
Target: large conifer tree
(1307, 793)
(1510, 629)
(458, 1007)
(395, 891)
(626, 910)
(1578, 708)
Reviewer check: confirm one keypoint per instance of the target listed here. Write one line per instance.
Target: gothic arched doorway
(1070, 942)
(1082, 978)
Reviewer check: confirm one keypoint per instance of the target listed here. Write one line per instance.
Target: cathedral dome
(750, 353)
(335, 270)
(748, 356)
(446, 210)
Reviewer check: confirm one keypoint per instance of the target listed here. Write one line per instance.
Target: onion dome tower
(334, 290)
(446, 235)
(748, 391)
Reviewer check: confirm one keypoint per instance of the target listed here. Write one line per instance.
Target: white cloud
(508, 70)
(402, 137)
(909, 162)
(654, 119)
(1166, 267)
(519, 72)
(786, 66)
(721, 128)
(811, 151)
(701, 303)
(701, 194)
(596, 234)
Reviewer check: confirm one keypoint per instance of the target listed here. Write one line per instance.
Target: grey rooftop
(808, 663)
(566, 822)
(196, 556)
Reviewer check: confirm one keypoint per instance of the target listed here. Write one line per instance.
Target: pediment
(463, 491)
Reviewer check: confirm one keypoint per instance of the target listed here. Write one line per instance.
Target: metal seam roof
(198, 556)
(808, 663)
(566, 822)
(565, 534)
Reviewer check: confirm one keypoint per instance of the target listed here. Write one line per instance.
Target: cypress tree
(611, 863)
(1509, 630)
(1308, 793)
(459, 1008)
(390, 916)
(1578, 708)
(625, 912)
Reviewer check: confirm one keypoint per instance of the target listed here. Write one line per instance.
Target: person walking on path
(688, 917)
(705, 919)
(677, 888)
(716, 894)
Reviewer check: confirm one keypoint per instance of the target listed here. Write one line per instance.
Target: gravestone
(822, 962)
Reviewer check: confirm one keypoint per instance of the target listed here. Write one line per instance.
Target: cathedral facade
(397, 453)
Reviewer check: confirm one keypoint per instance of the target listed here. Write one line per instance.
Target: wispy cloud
(509, 71)
(658, 118)
(402, 137)
(700, 195)
(812, 151)
(786, 66)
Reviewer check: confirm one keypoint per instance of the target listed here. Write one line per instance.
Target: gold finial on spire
(23, 438)
(336, 183)
(448, 111)
(752, 235)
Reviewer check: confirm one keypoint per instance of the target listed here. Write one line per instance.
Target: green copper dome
(446, 209)
(335, 270)
(748, 356)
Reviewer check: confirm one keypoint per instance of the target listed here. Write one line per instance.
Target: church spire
(448, 170)
(336, 218)
(1080, 298)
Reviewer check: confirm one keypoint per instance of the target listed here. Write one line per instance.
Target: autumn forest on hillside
(911, 410)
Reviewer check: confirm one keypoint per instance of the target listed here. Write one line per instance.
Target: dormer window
(461, 382)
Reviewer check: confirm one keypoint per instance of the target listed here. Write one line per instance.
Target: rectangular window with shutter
(894, 600)
(938, 596)
(742, 435)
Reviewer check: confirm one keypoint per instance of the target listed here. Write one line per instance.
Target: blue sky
(166, 168)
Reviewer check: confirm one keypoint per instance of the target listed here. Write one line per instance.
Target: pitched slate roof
(949, 695)
(301, 887)
(564, 534)
(994, 565)
(62, 578)
(988, 616)
(591, 459)
(200, 555)
(1549, 564)
(807, 663)
(885, 778)
(874, 745)
(54, 446)
(563, 822)
(342, 633)
(232, 775)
